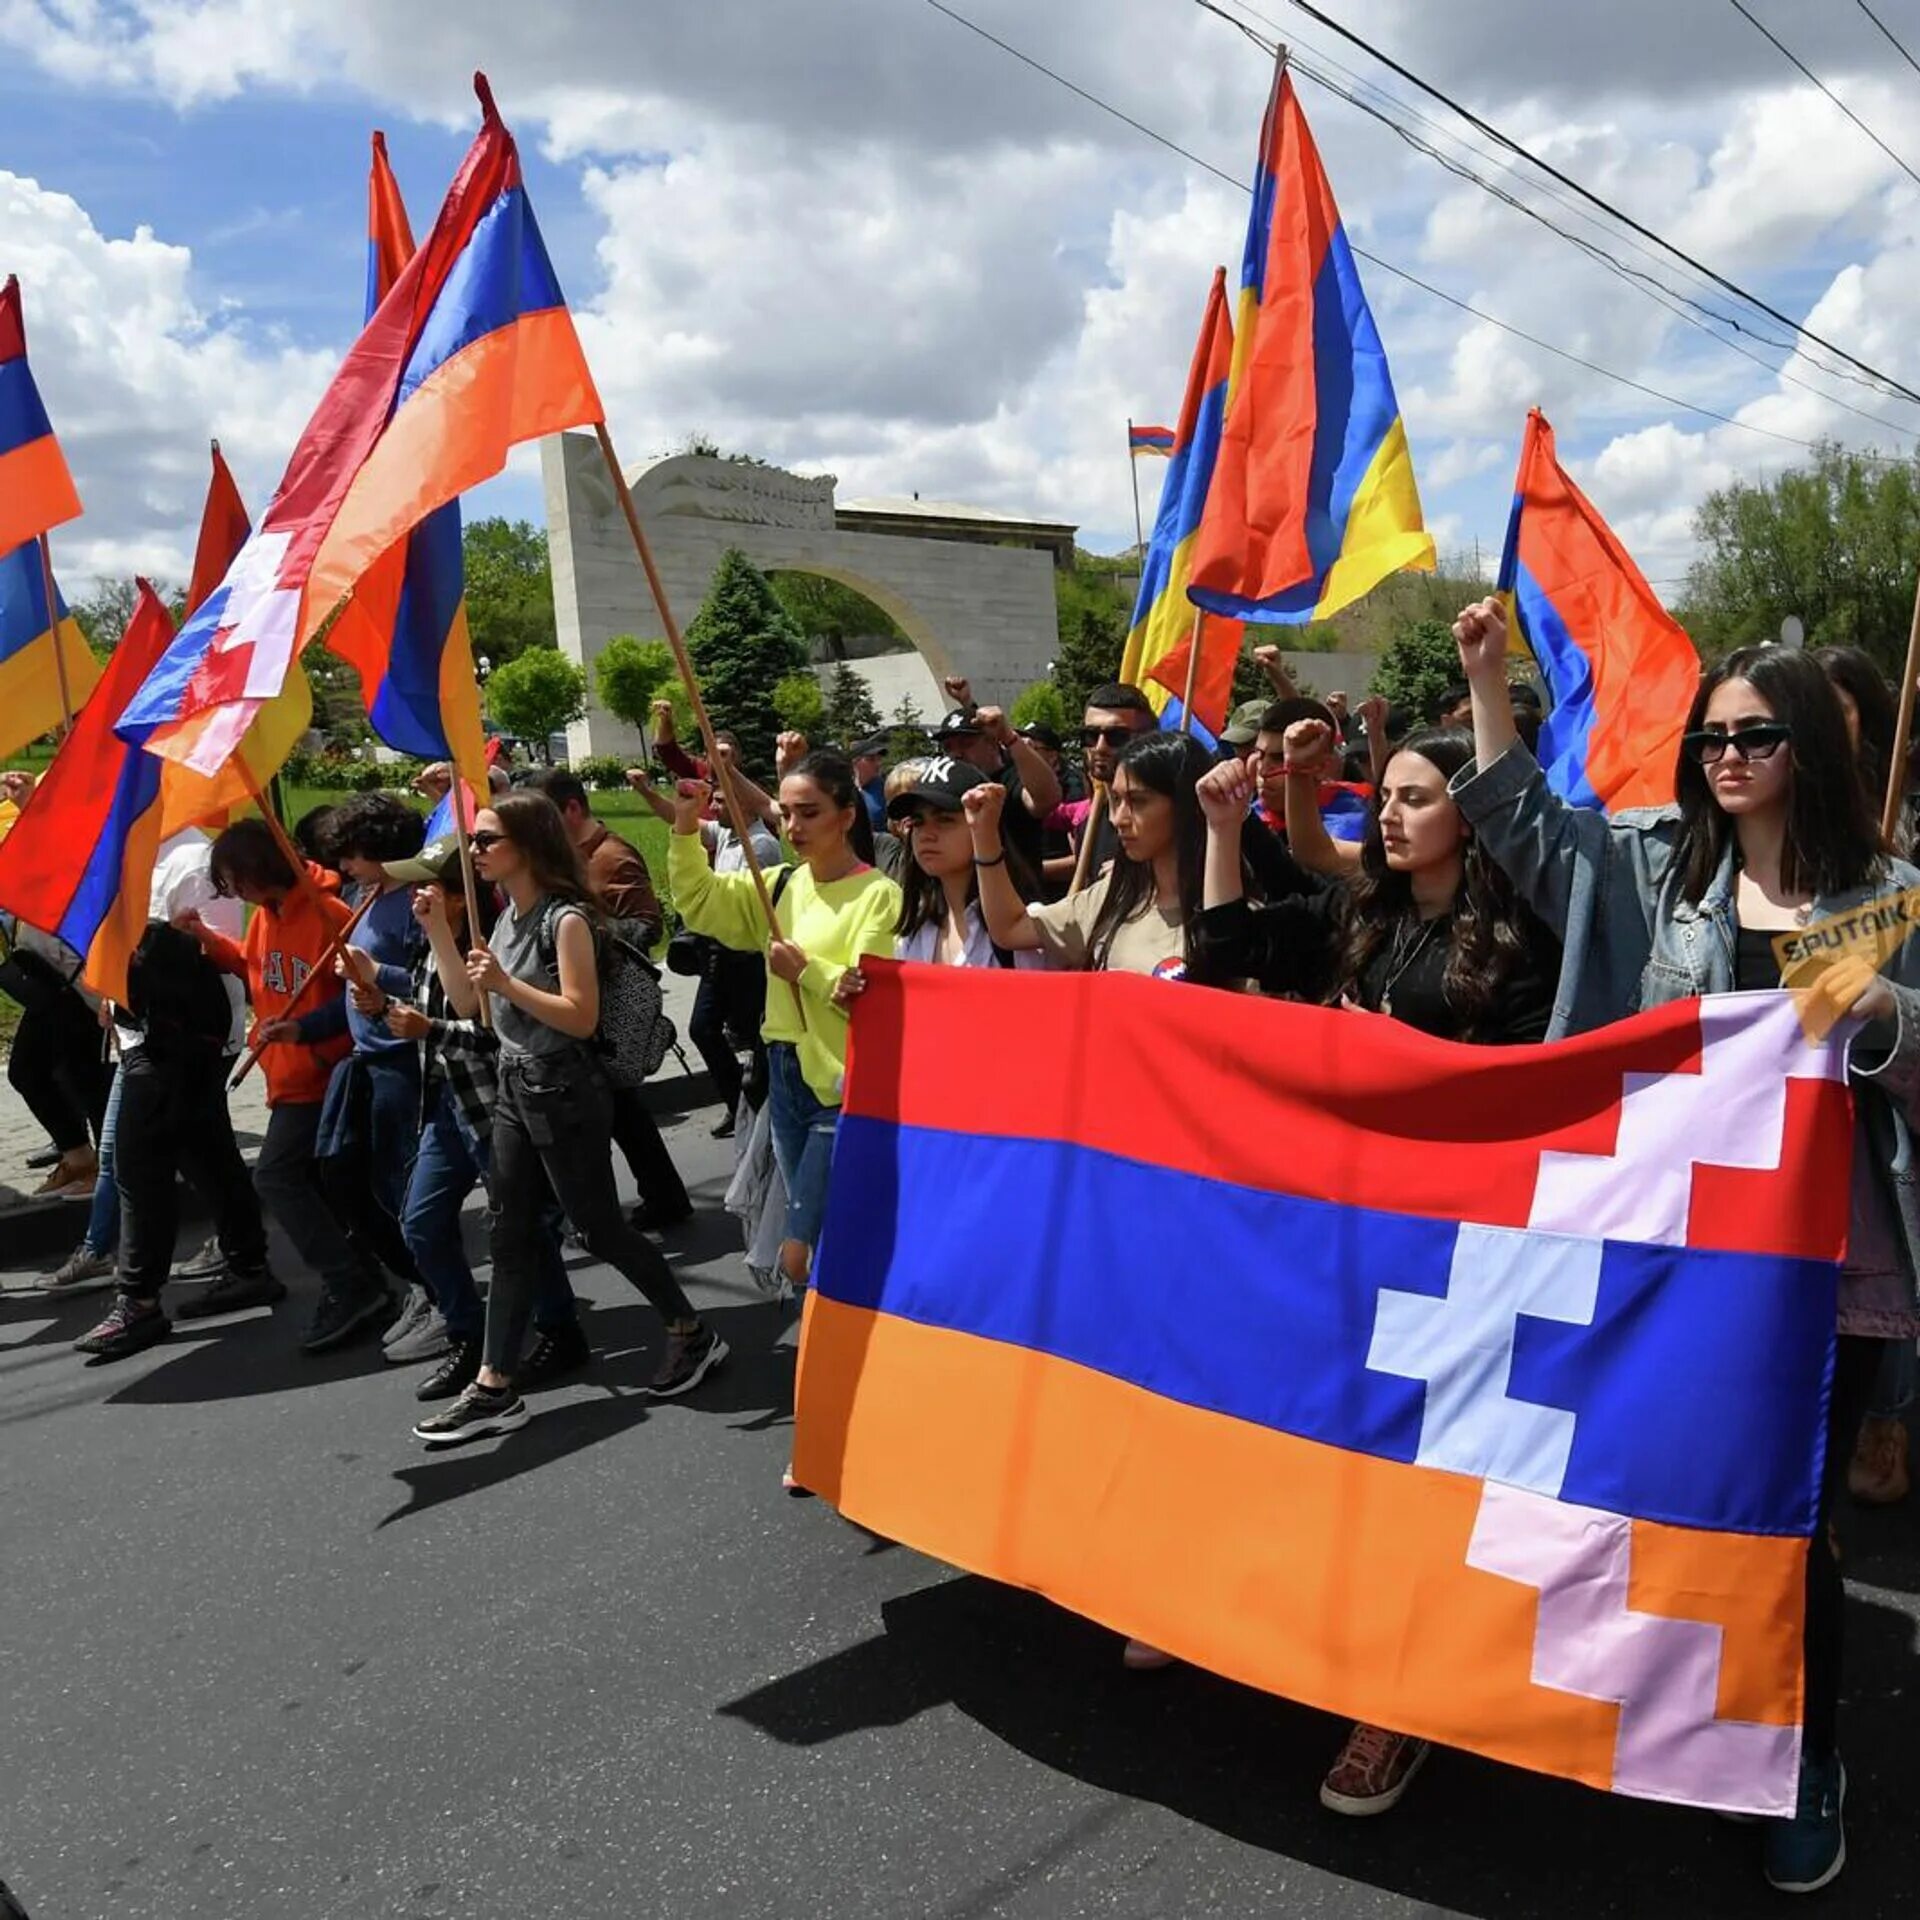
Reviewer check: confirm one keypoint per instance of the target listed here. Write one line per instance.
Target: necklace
(1398, 961)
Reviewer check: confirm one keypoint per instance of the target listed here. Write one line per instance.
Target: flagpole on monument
(53, 623)
(722, 767)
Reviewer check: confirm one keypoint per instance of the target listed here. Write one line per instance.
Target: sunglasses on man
(1113, 736)
(1759, 742)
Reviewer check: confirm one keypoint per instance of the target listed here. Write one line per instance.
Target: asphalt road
(263, 1656)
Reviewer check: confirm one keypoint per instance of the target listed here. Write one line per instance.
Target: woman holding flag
(1772, 828)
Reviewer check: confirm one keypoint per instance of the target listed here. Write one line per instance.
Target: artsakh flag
(1314, 500)
(1495, 1413)
(1619, 667)
(405, 628)
(471, 352)
(36, 490)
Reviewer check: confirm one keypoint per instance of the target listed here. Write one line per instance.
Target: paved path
(263, 1656)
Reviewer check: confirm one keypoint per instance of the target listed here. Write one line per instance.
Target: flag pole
(289, 852)
(53, 623)
(1903, 729)
(736, 813)
(1096, 807)
(1133, 473)
(321, 968)
(469, 882)
(1193, 671)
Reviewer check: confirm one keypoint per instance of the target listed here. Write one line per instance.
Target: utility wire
(1767, 33)
(1387, 266)
(1887, 33)
(1886, 381)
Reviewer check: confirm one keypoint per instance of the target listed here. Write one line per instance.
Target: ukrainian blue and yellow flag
(29, 681)
(1314, 500)
(1162, 613)
(405, 629)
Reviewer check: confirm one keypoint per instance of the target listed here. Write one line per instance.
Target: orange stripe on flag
(36, 491)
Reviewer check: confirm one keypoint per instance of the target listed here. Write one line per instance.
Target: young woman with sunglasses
(834, 908)
(1772, 828)
(552, 1115)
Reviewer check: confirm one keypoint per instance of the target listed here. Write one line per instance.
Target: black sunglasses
(480, 842)
(1760, 742)
(1113, 736)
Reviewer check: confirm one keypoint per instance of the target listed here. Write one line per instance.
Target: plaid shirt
(465, 1052)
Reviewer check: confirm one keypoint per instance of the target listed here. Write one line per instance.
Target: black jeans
(637, 1134)
(553, 1135)
(58, 1068)
(730, 1004)
(1856, 1366)
(173, 1120)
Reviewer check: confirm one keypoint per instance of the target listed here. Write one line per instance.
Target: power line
(1886, 381)
(1374, 259)
(1887, 32)
(1788, 53)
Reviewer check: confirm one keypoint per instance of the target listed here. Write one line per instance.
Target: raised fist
(1481, 635)
(1225, 792)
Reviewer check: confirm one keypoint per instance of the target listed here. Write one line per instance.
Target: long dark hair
(1172, 764)
(533, 823)
(1832, 840)
(923, 899)
(832, 773)
(1491, 929)
(1854, 672)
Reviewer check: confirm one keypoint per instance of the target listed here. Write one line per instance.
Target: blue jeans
(369, 1124)
(802, 1126)
(450, 1164)
(103, 1218)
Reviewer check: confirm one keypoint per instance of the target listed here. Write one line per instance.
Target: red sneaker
(1374, 1769)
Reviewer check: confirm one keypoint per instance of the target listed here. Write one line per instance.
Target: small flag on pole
(1150, 440)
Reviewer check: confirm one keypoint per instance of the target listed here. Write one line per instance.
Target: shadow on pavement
(1471, 1837)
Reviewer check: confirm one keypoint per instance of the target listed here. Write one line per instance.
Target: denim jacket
(1610, 889)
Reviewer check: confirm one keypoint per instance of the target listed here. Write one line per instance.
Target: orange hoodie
(281, 951)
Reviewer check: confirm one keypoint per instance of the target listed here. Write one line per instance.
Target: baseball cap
(437, 864)
(939, 783)
(1040, 731)
(873, 743)
(1243, 723)
(958, 721)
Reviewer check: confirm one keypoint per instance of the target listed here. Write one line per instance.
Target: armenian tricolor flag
(1162, 613)
(1513, 1442)
(471, 352)
(29, 680)
(1314, 500)
(1149, 439)
(405, 628)
(1619, 668)
(36, 490)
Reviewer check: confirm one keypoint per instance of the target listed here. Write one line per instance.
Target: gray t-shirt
(517, 945)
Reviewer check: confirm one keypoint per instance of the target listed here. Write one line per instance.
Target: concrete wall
(986, 612)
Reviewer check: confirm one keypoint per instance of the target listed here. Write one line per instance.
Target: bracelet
(998, 860)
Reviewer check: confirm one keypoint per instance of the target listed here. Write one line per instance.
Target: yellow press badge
(1828, 963)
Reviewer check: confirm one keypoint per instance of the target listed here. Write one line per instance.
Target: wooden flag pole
(53, 624)
(1096, 807)
(736, 813)
(1903, 730)
(289, 852)
(321, 967)
(469, 882)
(1193, 671)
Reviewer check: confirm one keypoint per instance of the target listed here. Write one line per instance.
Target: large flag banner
(1493, 1414)
(29, 631)
(405, 628)
(1162, 613)
(471, 352)
(36, 490)
(1314, 501)
(1619, 667)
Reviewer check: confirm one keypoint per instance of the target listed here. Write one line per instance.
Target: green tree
(628, 676)
(537, 694)
(830, 614)
(906, 730)
(1094, 607)
(1419, 664)
(1833, 542)
(509, 589)
(798, 702)
(851, 711)
(1041, 705)
(744, 643)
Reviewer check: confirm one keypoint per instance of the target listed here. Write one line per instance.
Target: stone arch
(973, 592)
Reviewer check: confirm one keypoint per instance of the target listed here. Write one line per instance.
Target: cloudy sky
(848, 235)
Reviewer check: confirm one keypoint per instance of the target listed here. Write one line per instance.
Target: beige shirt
(1148, 943)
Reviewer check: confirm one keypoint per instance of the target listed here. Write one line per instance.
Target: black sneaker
(132, 1325)
(477, 1414)
(690, 1358)
(555, 1353)
(234, 1291)
(341, 1316)
(454, 1374)
(722, 1128)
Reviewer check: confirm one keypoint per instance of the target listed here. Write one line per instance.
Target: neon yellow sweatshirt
(835, 926)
